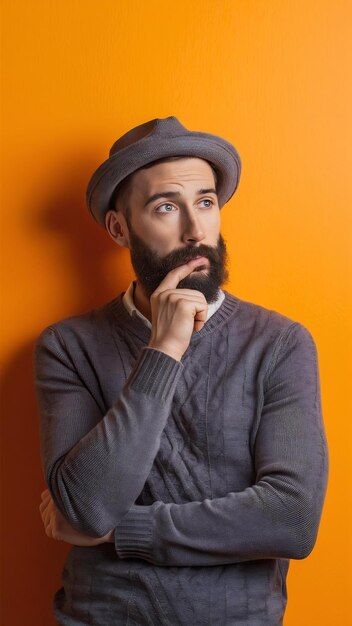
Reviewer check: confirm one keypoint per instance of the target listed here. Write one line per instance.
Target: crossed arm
(278, 516)
(57, 527)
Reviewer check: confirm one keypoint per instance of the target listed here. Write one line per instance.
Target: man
(181, 429)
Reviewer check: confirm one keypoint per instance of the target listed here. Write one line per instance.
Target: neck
(142, 301)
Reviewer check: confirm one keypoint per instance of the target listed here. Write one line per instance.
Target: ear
(116, 226)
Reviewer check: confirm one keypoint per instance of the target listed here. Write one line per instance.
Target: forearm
(98, 479)
(276, 517)
(238, 527)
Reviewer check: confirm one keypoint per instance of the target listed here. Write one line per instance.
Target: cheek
(160, 236)
(211, 227)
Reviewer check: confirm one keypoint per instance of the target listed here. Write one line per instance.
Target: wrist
(110, 537)
(174, 354)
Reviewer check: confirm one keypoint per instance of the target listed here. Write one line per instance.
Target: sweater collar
(128, 301)
(137, 326)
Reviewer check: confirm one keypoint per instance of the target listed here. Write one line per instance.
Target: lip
(201, 257)
(204, 266)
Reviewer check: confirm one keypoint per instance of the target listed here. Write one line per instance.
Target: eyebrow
(172, 194)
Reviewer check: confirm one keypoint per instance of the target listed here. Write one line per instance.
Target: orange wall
(273, 77)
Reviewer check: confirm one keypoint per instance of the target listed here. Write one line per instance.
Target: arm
(279, 515)
(57, 527)
(95, 465)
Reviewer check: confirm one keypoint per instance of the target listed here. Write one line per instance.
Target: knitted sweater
(212, 470)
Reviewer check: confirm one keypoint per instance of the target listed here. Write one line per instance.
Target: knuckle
(182, 303)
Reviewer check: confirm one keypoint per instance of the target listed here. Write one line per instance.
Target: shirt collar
(128, 301)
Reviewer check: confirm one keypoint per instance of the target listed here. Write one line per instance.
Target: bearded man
(182, 436)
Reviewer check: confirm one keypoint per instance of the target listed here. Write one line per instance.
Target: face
(175, 217)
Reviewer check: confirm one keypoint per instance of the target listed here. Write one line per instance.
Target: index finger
(172, 279)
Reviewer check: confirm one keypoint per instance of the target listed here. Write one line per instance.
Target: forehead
(180, 172)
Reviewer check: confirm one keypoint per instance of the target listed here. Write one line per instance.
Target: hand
(57, 527)
(176, 313)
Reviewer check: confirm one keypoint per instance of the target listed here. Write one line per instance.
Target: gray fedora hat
(153, 140)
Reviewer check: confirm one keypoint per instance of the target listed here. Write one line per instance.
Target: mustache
(183, 255)
(165, 264)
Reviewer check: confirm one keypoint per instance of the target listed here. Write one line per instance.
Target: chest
(205, 449)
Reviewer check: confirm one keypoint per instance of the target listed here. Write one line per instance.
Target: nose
(192, 229)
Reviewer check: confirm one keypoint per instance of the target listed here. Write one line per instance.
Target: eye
(209, 205)
(168, 210)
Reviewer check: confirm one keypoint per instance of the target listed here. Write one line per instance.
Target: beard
(150, 268)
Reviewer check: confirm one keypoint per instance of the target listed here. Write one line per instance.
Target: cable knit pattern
(212, 470)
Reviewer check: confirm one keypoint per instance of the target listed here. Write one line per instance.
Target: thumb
(199, 319)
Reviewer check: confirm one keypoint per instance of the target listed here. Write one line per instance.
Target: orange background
(271, 76)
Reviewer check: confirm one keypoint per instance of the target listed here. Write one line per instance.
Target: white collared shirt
(128, 301)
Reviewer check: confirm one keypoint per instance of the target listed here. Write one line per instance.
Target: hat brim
(221, 153)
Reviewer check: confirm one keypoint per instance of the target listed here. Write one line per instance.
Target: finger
(45, 510)
(172, 279)
(45, 518)
(198, 326)
(44, 504)
(48, 528)
(198, 310)
(193, 293)
(45, 501)
(173, 295)
(42, 508)
(200, 318)
(45, 495)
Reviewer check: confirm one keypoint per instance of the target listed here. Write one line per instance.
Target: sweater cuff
(155, 373)
(134, 535)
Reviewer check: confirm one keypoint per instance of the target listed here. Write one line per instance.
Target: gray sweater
(212, 470)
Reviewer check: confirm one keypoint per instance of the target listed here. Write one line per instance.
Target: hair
(120, 197)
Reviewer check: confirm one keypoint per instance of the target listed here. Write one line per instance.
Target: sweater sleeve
(276, 517)
(95, 465)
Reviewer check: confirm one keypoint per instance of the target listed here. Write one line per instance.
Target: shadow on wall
(80, 246)
(31, 562)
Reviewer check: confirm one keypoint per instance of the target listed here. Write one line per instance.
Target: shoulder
(78, 329)
(271, 323)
